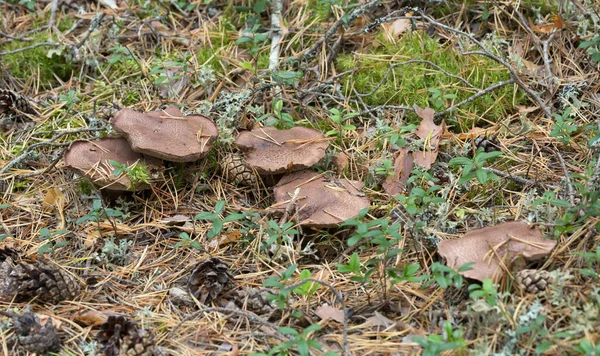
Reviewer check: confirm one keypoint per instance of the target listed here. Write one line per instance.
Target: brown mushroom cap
(272, 151)
(321, 202)
(166, 134)
(91, 160)
(492, 248)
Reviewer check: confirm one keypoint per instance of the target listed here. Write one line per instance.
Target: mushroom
(321, 201)
(167, 134)
(492, 248)
(91, 160)
(270, 151)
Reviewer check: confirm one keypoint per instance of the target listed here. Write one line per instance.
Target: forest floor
(201, 263)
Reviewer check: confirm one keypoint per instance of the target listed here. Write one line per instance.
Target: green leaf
(481, 176)
(303, 348)
(44, 248)
(460, 161)
(4, 206)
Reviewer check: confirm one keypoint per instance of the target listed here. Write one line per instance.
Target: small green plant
(113, 253)
(587, 348)
(438, 99)
(592, 262)
(217, 221)
(137, 173)
(435, 344)
(121, 54)
(340, 125)
(593, 47)
(385, 168)
(474, 168)
(186, 242)
(278, 233)
(253, 39)
(446, 276)
(564, 127)
(361, 274)
(281, 119)
(70, 99)
(50, 245)
(419, 198)
(97, 212)
(487, 290)
(301, 342)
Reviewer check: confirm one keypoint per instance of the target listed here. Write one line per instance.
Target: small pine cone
(32, 335)
(256, 301)
(119, 336)
(489, 144)
(235, 170)
(208, 279)
(23, 279)
(13, 103)
(532, 281)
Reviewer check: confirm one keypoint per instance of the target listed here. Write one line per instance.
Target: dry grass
(141, 283)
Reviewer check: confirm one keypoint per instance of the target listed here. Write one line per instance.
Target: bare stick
(276, 34)
(50, 142)
(53, 14)
(520, 180)
(41, 44)
(482, 92)
(352, 16)
(248, 315)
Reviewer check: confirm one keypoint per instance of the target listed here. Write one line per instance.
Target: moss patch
(417, 83)
(37, 61)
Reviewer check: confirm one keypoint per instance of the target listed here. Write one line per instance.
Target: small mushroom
(167, 134)
(91, 160)
(321, 201)
(271, 151)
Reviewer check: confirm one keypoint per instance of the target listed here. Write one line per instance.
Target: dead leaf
(340, 161)
(231, 237)
(55, 198)
(326, 311)
(556, 23)
(91, 318)
(380, 322)
(431, 133)
(403, 165)
(493, 249)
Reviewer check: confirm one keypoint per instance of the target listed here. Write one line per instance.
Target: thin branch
(520, 180)
(276, 34)
(50, 142)
(41, 44)
(482, 92)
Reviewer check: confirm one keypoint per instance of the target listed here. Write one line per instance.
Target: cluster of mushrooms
(167, 135)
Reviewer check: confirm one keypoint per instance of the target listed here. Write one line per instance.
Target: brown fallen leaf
(340, 161)
(494, 248)
(403, 165)
(556, 23)
(431, 133)
(326, 311)
(55, 198)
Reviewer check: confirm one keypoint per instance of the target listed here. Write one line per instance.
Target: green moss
(411, 83)
(85, 186)
(37, 61)
(206, 55)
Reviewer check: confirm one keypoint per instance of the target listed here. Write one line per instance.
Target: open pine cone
(23, 278)
(489, 144)
(32, 335)
(119, 336)
(235, 170)
(13, 103)
(208, 279)
(532, 281)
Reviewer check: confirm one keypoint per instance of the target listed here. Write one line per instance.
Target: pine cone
(256, 301)
(208, 279)
(23, 278)
(13, 103)
(532, 281)
(119, 336)
(32, 335)
(489, 144)
(235, 170)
